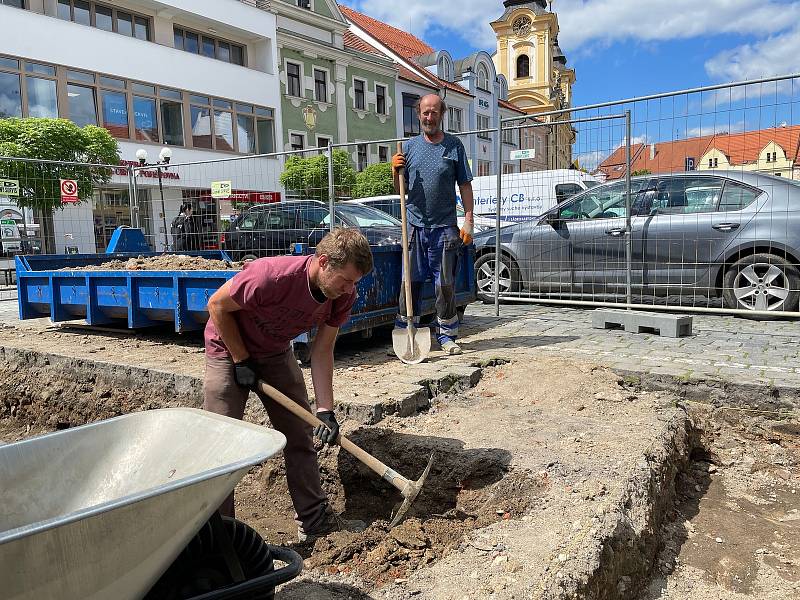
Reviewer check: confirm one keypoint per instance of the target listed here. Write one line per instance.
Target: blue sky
(625, 48)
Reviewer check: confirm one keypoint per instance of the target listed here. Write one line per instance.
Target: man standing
(434, 163)
(253, 319)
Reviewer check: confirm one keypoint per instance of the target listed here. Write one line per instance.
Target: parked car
(728, 234)
(391, 205)
(271, 229)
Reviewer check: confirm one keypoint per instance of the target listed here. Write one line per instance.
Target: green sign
(221, 189)
(522, 154)
(7, 222)
(9, 187)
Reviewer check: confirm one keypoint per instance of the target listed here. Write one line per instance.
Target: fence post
(331, 186)
(628, 232)
(133, 196)
(497, 254)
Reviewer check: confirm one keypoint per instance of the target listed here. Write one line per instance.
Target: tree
(641, 172)
(375, 180)
(54, 140)
(308, 177)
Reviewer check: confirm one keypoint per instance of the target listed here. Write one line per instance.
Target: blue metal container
(146, 298)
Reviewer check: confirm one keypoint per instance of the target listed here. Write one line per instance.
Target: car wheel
(761, 282)
(484, 276)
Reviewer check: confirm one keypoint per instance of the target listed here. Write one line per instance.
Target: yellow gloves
(466, 232)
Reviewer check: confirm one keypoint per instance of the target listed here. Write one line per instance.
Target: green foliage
(58, 140)
(641, 172)
(375, 180)
(308, 177)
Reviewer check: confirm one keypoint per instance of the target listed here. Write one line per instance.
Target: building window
(410, 118)
(304, 4)
(157, 113)
(774, 157)
(483, 77)
(444, 68)
(322, 143)
(454, 123)
(362, 156)
(483, 168)
(320, 85)
(293, 79)
(14, 3)
(484, 123)
(523, 66)
(105, 17)
(211, 47)
(508, 169)
(383, 154)
(380, 99)
(509, 137)
(359, 100)
(712, 163)
(297, 141)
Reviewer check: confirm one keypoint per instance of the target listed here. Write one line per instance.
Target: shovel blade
(412, 345)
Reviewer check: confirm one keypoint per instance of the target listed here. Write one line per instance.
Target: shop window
(81, 105)
(145, 121)
(42, 98)
(10, 96)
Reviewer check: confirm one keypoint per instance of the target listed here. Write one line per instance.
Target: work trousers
(223, 396)
(434, 255)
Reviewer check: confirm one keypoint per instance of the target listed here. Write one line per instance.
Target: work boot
(328, 523)
(449, 346)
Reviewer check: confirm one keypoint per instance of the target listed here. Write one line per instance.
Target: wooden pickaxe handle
(385, 472)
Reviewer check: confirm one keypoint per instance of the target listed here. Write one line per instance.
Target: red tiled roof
(412, 76)
(400, 41)
(509, 105)
(669, 157)
(354, 42)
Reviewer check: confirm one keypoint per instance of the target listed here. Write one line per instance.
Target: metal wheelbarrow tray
(102, 510)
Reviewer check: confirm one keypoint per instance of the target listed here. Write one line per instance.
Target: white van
(529, 194)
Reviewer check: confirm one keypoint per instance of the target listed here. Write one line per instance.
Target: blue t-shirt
(432, 172)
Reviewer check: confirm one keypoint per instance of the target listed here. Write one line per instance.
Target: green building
(334, 86)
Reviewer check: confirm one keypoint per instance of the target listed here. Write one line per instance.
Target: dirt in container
(165, 262)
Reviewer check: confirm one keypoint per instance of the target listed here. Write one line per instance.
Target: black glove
(329, 432)
(244, 373)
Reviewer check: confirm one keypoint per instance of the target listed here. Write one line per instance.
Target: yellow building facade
(534, 66)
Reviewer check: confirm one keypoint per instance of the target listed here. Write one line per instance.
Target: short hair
(441, 103)
(345, 246)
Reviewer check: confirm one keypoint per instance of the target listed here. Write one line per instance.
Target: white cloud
(776, 55)
(584, 22)
(607, 21)
(591, 160)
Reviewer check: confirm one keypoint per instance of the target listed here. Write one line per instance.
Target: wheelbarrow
(103, 510)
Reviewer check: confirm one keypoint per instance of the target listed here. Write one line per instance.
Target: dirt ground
(166, 262)
(735, 532)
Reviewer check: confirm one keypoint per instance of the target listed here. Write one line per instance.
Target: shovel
(408, 489)
(411, 345)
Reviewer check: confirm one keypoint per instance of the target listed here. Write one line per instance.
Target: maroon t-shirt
(277, 306)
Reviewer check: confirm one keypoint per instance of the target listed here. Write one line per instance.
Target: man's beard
(327, 291)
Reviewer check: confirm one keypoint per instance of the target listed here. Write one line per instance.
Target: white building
(198, 76)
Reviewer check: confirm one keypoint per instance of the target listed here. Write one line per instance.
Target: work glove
(244, 373)
(398, 161)
(466, 232)
(329, 432)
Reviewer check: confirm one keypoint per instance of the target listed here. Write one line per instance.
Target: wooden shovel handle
(406, 256)
(365, 457)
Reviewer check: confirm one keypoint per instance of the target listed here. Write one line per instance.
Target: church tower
(536, 70)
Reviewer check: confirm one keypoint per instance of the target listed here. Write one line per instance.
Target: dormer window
(483, 77)
(444, 68)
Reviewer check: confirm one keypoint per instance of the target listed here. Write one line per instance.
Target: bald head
(430, 110)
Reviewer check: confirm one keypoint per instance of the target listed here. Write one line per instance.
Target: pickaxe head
(410, 492)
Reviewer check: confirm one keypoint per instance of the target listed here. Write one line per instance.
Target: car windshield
(364, 216)
(589, 183)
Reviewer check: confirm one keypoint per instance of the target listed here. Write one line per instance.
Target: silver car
(728, 235)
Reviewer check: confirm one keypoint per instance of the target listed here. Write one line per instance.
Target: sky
(627, 48)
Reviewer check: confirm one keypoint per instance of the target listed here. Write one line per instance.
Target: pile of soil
(165, 262)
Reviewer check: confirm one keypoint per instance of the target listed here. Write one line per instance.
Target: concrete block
(663, 324)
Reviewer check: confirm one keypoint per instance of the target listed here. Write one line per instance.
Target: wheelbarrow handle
(365, 457)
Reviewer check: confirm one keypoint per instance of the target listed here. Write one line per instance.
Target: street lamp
(163, 160)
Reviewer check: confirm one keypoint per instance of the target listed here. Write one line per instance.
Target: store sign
(153, 174)
(221, 189)
(69, 191)
(483, 103)
(522, 154)
(9, 187)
